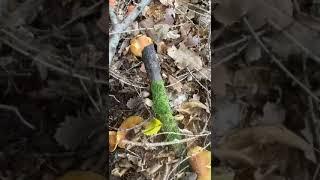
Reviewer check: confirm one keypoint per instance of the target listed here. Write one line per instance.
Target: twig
(125, 81)
(114, 40)
(230, 56)
(89, 95)
(38, 58)
(277, 61)
(82, 14)
(294, 40)
(113, 17)
(152, 145)
(16, 111)
(181, 134)
(316, 173)
(236, 42)
(198, 81)
(144, 29)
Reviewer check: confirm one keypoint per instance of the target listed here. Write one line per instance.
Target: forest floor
(53, 88)
(261, 79)
(180, 31)
(266, 84)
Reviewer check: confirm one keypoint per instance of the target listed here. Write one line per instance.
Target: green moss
(163, 112)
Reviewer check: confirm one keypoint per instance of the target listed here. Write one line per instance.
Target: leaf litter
(55, 82)
(263, 125)
(182, 46)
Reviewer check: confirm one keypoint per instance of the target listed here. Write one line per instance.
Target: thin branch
(16, 111)
(295, 41)
(236, 42)
(229, 57)
(152, 145)
(38, 58)
(125, 81)
(113, 17)
(82, 14)
(277, 61)
(89, 95)
(114, 39)
(199, 82)
(144, 29)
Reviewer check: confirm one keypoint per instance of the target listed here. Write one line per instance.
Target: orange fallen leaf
(112, 140)
(130, 122)
(115, 138)
(200, 162)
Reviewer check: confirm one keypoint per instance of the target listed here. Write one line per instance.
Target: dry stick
(316, 173)
(113, 17)
(153, 145)
(277, 61)
(198, 82)
(16, 111)
(144, 29)
(230, 56)
(115, 38)
(51, 66)
(236, 42)
(89, 95)
(126, 81)
(83, 13)
(294, 40)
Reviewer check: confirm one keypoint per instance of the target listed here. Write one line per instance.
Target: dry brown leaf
(200, 162)
(277, 11)
(265, 135)
(135, 102)
(191, 106)
(233, 155)
(185, 57)
(230, 11)
(177, 85)
(192, 41)
(169, 16)
(258, 12)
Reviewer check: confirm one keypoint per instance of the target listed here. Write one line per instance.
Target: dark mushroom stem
(160, 99)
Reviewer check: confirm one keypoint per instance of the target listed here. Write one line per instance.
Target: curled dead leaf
(191, 106)
(115, 138)
(129, 123)
(112, 140)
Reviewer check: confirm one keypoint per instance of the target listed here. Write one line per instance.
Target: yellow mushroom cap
(138, 43)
